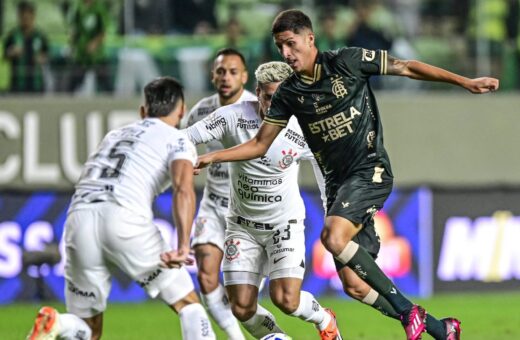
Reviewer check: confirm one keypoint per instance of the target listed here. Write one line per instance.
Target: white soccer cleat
(46, 325)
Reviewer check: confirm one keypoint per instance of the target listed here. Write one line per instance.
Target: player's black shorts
(358, 199)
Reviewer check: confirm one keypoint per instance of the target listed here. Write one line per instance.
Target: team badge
(199, 226)
(338, 88)
(287, 159)
(232, 251)
(368, 55)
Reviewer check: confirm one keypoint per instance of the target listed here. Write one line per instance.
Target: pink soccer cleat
(453, 329)
(413, 322)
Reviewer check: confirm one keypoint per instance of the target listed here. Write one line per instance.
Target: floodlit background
(451, 226)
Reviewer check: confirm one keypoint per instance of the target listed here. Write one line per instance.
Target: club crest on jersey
(232, 251)
(338, 88)
(287, 159)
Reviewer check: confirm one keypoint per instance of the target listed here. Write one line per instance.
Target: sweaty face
(229, 77)
(265, 92)
(297, 49)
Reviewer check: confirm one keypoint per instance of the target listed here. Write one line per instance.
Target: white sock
(219, 308)
(262, 323)
(195, 323)
(311, 311)
(73, 327)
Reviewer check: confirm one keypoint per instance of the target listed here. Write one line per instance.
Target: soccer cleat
(413, 322)
(46, 325)
(452, 328)
(331, 332)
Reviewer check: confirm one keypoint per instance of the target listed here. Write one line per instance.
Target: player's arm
(253, 148)
(183, 211)
(421, 71)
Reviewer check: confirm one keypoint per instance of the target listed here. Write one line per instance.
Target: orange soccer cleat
(46, 325)
(331, 332)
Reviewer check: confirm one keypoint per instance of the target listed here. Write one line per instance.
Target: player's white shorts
(101, 235)
(254, 249)
(210, 224)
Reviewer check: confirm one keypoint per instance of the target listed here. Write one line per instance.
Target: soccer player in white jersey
(110, 216)
(229, 75)
(265, 230)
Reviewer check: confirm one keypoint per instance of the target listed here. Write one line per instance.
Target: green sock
(435, 328)
(367, 269)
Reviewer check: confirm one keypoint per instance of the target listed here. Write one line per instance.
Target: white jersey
(217, 180)
(263, 190)
(132, 165)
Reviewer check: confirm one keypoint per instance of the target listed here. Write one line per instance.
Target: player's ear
(245, 76)
(142, 112)
(310, 38)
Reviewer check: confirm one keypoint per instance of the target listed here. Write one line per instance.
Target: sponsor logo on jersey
(281, 250)
(338, 88)
(287, 158)
(301, 99)
(264, 160)
(295, 137)
(249, 124)
(368, 55)
(146, 281)
(370, 139)
(76, 291)
(249, 188)
(232, 250)
(215, 122)
(218, 170)
(336, 126)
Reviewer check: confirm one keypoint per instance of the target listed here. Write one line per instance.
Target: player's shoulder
(247, 96)
(203, 108)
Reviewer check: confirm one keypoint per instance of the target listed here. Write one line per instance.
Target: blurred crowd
(114, 47)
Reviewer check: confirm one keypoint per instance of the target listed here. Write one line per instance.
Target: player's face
(297, 49)
(265, 93)
(229, 77)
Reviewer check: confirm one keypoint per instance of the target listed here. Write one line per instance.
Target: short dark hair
(291, 20)
(25, 6)
(230, 51)
(162, 95)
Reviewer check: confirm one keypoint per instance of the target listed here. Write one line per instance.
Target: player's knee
(242, 312)
(286, 302)
(333, 240)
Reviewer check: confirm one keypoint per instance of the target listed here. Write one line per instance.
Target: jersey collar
(316, 72)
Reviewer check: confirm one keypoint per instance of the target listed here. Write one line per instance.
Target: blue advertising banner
(29, 222)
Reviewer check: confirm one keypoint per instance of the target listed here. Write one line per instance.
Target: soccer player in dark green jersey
(331, 97)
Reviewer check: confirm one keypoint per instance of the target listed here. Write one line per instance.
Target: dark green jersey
(337, 112)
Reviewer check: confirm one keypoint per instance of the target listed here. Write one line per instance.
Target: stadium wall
(435, 139)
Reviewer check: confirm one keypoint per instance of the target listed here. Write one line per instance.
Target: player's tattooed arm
(421, 71)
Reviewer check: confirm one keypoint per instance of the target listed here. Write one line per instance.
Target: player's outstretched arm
(183, 209)
(253, 148)
(421, 71)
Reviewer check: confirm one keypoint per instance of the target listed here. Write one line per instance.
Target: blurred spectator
(233, 32)
(328, 37)
(88, 25)
(362, 33)
(26, 48)
(188, 16)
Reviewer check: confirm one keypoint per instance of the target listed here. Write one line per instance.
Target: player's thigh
(87, 279)
(285, 249)
(134, 244)
(360, 196)
(209, 258)
(367, 238)
(244, 258)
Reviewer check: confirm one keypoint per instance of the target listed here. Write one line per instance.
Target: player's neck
(170, 120)
(309, 69)
(231, 100)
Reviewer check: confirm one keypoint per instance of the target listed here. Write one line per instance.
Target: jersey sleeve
(213, 127)
(278, 113)
(181, 148)
(364, 62)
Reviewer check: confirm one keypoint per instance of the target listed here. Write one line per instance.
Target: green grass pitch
(486, 316)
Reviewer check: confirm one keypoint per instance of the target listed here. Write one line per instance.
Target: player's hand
(176, 258)
(203, 161)
(482, 85)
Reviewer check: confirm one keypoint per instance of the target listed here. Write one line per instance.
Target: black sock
(367, 269)
(435, 328)
(382, 305)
